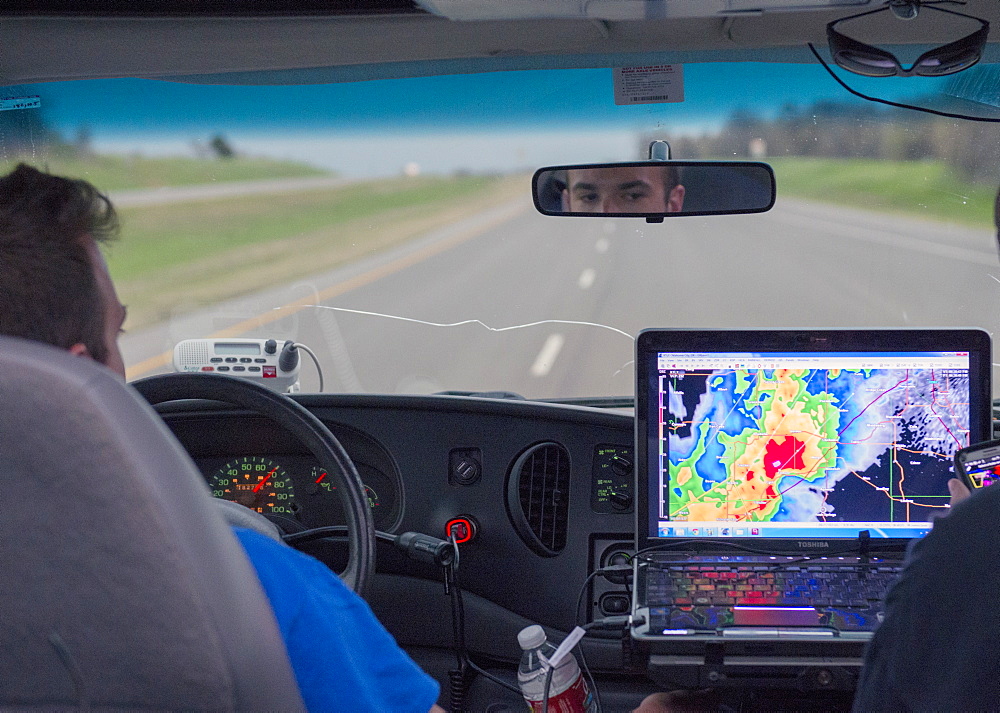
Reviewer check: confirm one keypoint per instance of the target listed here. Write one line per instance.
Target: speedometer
(257, 483)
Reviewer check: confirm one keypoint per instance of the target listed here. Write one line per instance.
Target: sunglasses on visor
(860, 58)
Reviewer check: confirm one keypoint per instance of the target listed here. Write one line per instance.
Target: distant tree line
(836, 130)
(23, 132)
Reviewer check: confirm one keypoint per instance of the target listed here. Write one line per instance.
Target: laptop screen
(805, 435)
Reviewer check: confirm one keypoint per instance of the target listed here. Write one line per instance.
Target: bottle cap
(531, 637)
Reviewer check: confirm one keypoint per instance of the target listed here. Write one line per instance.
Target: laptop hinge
(864, 545)
(635, 654)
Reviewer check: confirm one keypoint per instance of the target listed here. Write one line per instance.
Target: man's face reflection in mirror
(623, 189)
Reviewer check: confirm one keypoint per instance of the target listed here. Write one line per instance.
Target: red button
(208, 368)
(270, 372)
(463, 528)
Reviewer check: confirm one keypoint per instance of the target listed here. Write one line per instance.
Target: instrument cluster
(295, 487)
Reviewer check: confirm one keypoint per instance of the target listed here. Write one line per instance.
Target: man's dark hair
(48, 291)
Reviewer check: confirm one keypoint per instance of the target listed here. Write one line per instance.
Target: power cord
(415, 545)
(603, 571)
(548, 686)
(319, 369)
(445, 553)
(926, 110)
(494, 679)
(457, 676)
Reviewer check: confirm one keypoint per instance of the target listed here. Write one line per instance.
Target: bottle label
(575, 699)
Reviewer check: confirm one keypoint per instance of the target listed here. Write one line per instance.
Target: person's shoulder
(980, 507)
(258, 541)
(277, 563)
(323, 621)
(966, 530)
(261, 544)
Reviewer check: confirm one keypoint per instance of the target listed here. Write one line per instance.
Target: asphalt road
(800, 265)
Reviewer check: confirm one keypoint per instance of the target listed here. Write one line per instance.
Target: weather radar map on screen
(818, 444)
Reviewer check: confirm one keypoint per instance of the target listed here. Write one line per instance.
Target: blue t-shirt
(343, 658)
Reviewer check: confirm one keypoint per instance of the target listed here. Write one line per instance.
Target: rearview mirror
(654, 189)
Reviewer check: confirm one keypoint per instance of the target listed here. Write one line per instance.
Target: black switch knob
(620, 500)
(621, 466)
(615, 603)
(618, 558)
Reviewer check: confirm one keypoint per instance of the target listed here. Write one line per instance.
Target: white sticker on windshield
(11, 103)
(649, 84)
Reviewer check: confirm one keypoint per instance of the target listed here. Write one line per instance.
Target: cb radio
(269, 362)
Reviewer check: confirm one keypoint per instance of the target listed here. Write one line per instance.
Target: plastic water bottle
(568, 692)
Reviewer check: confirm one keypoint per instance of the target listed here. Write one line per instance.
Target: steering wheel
(311, 433)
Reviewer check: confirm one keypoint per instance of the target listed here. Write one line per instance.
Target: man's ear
(80, 349)
(675, 201)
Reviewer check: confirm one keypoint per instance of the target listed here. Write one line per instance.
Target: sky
(490, 121)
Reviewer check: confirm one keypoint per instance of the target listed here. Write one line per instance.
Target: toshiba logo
(811, 545)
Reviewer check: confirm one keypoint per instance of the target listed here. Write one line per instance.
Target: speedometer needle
(267, 477)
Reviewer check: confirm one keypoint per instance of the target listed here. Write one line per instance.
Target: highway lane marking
(547, 357)
(366, 278)
(586, 279)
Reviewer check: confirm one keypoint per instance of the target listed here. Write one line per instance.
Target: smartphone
(979, 465)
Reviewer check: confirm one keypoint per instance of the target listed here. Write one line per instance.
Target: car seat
(121, 587)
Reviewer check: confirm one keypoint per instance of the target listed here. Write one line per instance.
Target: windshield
(388, 225)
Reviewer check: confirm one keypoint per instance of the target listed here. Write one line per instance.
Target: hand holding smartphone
(979, 465)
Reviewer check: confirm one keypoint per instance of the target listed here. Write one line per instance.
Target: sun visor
(617, 9)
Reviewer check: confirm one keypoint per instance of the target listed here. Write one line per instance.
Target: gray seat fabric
(120, 585)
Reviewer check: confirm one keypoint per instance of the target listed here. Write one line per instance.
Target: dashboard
(548, 487)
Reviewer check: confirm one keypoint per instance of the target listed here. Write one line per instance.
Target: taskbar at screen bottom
(795, 530)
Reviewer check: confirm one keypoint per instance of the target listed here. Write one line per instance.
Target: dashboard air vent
(538, 497)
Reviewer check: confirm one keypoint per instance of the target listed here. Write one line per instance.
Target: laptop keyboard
(818, 585)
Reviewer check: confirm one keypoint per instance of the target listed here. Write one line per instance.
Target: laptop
(782, 474)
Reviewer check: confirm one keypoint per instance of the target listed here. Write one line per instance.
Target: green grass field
(119, 173)
(200, 252)
(163, 237)
(928, 189)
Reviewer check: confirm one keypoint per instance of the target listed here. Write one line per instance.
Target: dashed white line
(547, 357)
(587, 278)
